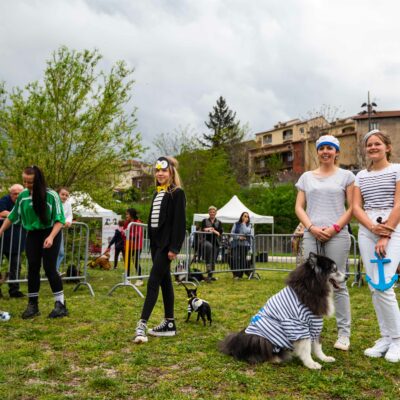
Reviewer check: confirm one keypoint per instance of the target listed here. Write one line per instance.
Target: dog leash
(320, 247)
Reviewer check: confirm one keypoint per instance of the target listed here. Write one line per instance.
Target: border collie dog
(291, 321)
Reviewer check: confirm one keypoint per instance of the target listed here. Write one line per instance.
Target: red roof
(379, 114)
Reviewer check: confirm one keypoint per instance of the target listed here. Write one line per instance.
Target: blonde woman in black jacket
(166, 229)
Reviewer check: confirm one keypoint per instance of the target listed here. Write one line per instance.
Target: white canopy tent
(231, 211)
(84, 206)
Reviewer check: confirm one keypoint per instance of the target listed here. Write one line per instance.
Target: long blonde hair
(386, 140)
(175, 179)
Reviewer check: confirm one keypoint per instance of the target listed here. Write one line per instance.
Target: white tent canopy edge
(230, 213)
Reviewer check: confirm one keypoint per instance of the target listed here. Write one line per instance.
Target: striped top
(325, 196)
(284, 320)
(24, 213)
(378, 187)
(155, 213)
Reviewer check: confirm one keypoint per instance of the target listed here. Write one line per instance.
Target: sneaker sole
(31, 316)
(140, 339)
(340, 347)
(374, 355)
(161, 334)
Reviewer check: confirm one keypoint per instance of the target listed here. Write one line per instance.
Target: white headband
(369, 134)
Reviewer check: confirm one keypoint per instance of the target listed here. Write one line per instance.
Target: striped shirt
(155, 213)
(325, 196)
(378, 187)
(284, 320)
(24, 213)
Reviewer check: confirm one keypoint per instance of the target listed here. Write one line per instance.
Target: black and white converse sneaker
(166, 328)
(140, 334)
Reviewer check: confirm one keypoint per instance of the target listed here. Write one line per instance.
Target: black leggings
(35, 253)
(159, 276)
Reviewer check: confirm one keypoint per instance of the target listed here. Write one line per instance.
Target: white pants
(336, 249)
(385, 303)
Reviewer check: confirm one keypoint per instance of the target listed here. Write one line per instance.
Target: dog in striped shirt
(291, 321)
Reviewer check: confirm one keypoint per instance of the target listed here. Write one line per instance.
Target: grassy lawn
(90, 355)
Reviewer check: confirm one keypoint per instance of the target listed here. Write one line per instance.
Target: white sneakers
(393, 353)
(140, 334)
(379, 349)
(139, 282)
(342, 343)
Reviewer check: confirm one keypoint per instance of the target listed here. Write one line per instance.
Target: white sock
(59, 296)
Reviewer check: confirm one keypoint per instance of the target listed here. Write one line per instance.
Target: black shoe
(32, 310)
(59, 311)
(166, 328)
(17, 294)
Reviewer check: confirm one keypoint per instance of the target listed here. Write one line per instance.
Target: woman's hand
(381, 230)
(48, 242)
(381, 245)
(321, 234)
(171, 255)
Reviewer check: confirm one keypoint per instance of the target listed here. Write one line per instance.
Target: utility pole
(370, 110)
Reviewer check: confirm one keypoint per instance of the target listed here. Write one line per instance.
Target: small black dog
(291, 321)
(200, 306)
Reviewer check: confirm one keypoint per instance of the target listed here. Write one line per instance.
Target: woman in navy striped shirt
(376, 205)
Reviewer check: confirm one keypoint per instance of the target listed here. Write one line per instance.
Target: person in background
(63, 192)
(211, 241)
(118, 241)
(321, 207)
(167, 229)
(13, 241)
(40, 212)
(240, 244)
(136, 242)
(377, 208)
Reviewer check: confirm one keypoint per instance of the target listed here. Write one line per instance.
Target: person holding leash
(320, 207)
(376, 206)
(40, 211)
(166, 230)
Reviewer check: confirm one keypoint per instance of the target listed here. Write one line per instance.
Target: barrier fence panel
(230, 253)
(73, 267)
(280, 252)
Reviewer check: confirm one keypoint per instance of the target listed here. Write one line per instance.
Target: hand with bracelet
(321, 234)
(381, 228)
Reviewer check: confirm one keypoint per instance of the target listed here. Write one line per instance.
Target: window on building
(267, 139)
(374, 125)
(302, 131)
(287, 134)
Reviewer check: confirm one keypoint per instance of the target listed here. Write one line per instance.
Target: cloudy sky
(272, 60)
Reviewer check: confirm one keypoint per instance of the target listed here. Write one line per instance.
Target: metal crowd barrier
(277, 253)
(137, 258)
(201, 258)
(233, 253)
(13, 262)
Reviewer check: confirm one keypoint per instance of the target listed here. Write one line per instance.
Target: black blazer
(171, 229)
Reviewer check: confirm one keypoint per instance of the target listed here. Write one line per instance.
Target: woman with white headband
(320, 207)
(376, 205)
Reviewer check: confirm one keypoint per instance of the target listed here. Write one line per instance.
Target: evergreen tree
(224, 129)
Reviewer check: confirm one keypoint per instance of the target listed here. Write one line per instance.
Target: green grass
(90, 355)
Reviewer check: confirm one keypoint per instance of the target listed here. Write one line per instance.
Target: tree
(176, 142)
(225, 130)
(74, 125)
(207, 179)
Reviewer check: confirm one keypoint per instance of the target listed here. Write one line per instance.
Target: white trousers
(385, 303)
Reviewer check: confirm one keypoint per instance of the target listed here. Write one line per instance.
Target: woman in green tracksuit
(40, 211)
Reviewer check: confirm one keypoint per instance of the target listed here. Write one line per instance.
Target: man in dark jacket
(13, 242)
(214, 230)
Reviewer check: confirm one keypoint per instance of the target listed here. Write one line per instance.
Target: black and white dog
(195, 304)
(290, 323)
